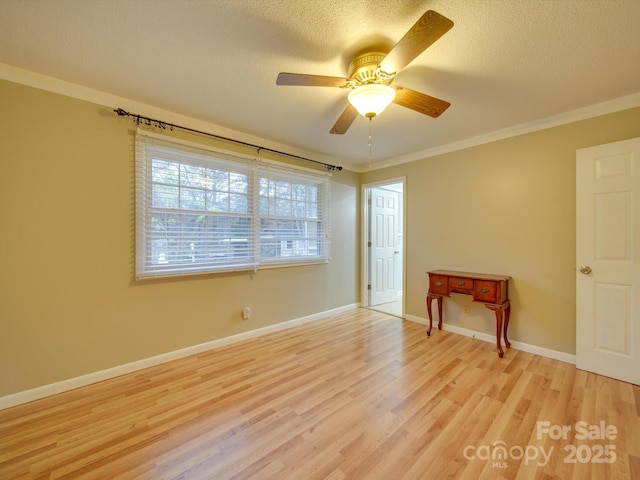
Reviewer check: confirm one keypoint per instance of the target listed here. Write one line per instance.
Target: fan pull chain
(370, 158)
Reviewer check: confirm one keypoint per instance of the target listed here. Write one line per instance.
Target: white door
(384, 246)
(608, 257)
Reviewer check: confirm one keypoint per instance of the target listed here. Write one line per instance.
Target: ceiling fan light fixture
(371, 99)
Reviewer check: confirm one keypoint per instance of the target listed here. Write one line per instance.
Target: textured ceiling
(505, 63)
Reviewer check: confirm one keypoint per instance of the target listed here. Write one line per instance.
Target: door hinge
(369, 244)
(369, 287)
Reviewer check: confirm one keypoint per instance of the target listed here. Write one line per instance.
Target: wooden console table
(492, 290)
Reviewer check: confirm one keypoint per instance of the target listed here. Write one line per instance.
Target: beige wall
(507, 207)
(68, 302)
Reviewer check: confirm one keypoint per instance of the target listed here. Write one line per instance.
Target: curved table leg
(499, 309)
(430, 299)
(507, 314)
(499, 331)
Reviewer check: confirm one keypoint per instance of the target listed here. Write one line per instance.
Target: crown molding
(603, 108)
(69, 89)
(80, 92)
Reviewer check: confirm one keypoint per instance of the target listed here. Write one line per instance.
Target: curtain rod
(160, 124)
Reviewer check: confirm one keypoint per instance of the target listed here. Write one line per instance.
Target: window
(199, 210)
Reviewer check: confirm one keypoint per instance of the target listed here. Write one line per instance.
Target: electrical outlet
(465, 310)
(246, 313)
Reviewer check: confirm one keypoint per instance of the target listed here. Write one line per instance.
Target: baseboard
(83, 380)
(525, 347)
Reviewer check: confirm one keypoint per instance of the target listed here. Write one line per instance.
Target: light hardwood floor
(361, 395)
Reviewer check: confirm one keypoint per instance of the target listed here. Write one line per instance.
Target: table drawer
(485, 291)
(438, 284)
(461, 284)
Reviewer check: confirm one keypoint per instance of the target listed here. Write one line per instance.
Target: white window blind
(200, 210)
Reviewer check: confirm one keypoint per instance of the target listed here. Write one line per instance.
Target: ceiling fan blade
(345, 120)
(420, 102)
(310, 80)
(429, 28)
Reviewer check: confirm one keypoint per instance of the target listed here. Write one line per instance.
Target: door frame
(365, 277)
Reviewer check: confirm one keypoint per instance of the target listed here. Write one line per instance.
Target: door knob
(585, 269)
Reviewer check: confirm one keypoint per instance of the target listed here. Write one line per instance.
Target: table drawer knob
(439, 284)
(460, 282)
(484, 290)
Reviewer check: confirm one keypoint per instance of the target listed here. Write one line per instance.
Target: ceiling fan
(371, 73)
